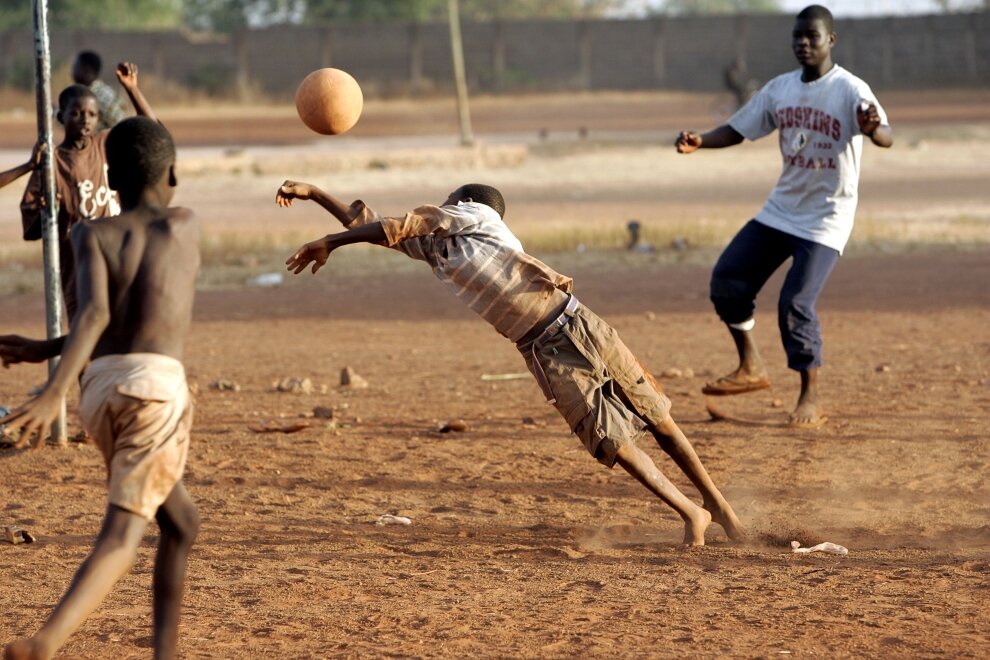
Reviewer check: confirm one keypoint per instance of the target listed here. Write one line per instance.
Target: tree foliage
(481, 10)
(94, 14)
(470, 10)
(374, 10)
(228, 15)
(708, 7)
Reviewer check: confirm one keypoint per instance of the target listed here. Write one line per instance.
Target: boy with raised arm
(136, 277)
(821, 113)
(585, 371)
(80, 171)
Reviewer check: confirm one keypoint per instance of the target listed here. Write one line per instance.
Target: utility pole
(49, 211)
(457, 52)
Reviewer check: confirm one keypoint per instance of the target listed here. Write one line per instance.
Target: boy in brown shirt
(585, 371)
(136, 280)
(80, 171)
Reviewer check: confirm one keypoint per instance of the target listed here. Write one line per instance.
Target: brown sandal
(727, 385)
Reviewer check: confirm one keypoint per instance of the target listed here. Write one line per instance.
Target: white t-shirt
(821, 144)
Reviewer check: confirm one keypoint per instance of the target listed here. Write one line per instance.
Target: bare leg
(673, 441)
(112, 556)
(750, 363)
(179, 522)
(637, 463)
(750, 375)
(807, 412)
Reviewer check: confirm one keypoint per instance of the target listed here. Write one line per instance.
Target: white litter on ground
(830, 548)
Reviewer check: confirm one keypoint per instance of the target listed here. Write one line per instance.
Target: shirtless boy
(136, 276)
(822, 113)
(606, 396)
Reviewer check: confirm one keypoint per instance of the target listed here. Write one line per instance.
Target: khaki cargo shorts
(606, 395)
(137, 408)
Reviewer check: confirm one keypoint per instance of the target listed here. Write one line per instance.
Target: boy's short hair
(73, 92)
(90, 60)
(484, 194)
(139, 151)
(818, 13)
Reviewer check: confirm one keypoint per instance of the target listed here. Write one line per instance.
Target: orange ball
(329, 101)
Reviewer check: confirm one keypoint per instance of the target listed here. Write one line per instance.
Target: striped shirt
(473, 252)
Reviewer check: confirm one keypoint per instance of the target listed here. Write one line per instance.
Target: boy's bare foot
(695, 526)
(726, 517)
(806, 415)
(25, 649)
(740, 381)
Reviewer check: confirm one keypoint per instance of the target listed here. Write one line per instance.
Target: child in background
(86, 72)
(821, 113)
(80, 171)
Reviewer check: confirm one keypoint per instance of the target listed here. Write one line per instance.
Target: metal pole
(457, 52)
(49, 212)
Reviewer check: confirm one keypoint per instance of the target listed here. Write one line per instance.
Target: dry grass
(231, 257)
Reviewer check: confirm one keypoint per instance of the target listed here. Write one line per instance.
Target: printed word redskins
(811, 119)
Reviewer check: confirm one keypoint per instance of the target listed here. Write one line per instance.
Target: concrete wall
(664, 53)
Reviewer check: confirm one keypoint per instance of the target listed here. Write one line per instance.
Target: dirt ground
(520, 544)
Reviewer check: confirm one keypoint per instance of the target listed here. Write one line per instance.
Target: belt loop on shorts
(552, 329)
(555, 325)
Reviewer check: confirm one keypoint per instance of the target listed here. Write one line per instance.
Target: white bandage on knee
(745, 326)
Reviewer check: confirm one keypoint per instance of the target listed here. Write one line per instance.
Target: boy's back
(151, 264)
(136, 282)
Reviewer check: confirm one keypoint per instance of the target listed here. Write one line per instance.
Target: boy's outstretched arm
(32, 164)
(93, 317)
(14, 349)
(718, 138)
(291, 190)
(127, 74)
(319, 250)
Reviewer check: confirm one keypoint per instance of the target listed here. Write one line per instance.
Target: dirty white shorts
(137, 408)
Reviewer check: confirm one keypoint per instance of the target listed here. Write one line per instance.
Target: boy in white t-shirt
(821, 113)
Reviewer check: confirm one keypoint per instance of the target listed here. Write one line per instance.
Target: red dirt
(520, 544)
(666, 111)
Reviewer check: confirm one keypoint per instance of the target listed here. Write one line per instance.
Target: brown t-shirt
(81, 183)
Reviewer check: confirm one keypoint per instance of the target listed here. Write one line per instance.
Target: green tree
(470, 10)
(702, 7)
(947, 6)
(480, 10)
(15, 14)
(374, 10)
(94, 14)
(228, 15)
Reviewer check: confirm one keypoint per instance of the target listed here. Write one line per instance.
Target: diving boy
(136, 277)
(606, 396)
